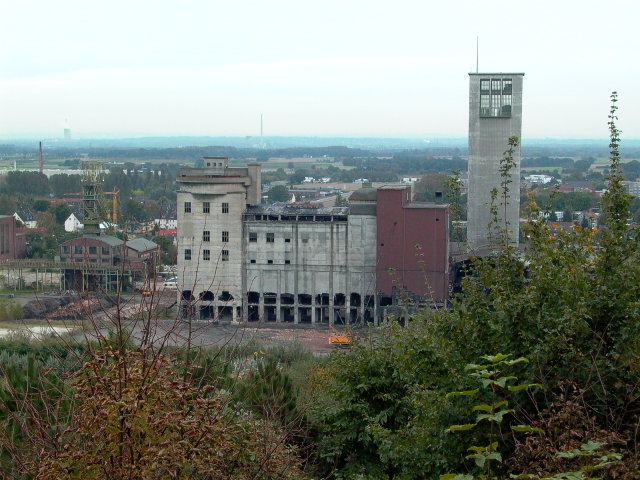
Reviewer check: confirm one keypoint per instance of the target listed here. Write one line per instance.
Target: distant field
(605, 160)
(542, 169)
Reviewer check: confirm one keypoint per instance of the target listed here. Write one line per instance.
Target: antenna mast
(41, 166)
(261, 139)
(477, 51)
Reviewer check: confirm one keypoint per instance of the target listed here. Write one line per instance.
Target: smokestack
(41, 166)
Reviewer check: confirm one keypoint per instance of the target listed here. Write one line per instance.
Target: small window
(206, 207)
(187, 254)
(271, 237)
(287, 262)
(225, 207)
(225, 255)
(93, 250)
(253, 237)
(65, 249)
(105, 260)
(93, 260)
(225, 237)
(206, 254)
(63, 259)
(253, 260)
(187, 207)
(305, 239)
(270, 262)
(206, 236)
(105, 250)
(287, 240)
(78, 249)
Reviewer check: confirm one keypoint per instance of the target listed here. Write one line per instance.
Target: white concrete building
(242, 261)
(495, 115)
(211, 201)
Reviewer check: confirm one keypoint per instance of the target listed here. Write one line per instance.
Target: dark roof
(141, 245)
(364, 194)
(169, 211)
(362, 209)
(106, 239)
(26, 214)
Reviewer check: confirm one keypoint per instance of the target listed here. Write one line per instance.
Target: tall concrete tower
(495, 114)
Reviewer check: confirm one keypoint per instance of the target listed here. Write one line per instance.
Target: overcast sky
(314, 68)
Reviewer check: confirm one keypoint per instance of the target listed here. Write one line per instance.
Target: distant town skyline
(329, 69)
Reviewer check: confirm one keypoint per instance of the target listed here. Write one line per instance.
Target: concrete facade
(211, 201)
(306, 265)
(241, 261)
(495, 114)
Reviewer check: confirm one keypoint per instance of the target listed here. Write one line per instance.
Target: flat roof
(496, 73)
(426, 205)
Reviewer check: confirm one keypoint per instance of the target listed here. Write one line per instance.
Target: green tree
(41, 205)
(279, 193)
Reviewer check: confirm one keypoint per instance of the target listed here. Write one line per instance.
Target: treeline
(400, 164)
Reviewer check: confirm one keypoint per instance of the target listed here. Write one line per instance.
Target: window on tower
(496, 97)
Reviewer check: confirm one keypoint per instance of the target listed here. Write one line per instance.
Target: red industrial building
(12, 243)
(412, 246)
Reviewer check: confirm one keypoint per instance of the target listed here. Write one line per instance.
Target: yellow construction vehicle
(337, 339)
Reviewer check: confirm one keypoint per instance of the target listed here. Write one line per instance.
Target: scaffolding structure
(80, 276)
(92, 177)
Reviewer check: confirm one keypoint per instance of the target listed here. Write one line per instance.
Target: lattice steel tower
(92, 177)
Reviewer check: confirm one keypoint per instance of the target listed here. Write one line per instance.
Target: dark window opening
(304, 299)
(253, 297)
(207, 296)
(225, 296)
(187, 207)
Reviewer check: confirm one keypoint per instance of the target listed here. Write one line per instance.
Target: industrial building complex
(242, 261)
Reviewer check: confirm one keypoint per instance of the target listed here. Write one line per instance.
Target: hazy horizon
(332, 69)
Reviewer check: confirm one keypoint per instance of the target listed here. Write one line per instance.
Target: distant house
(578, 186)
(538, 178)
(26, 217)
(168, 217)
(72, 223)
(140, 251)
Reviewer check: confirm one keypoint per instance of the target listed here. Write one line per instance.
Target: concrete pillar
(296, 313)
(313, 313)
(347, 309)
(245, 310)
(376, 321)
(234, 318)
(278, 319)
(261, 315)
(331, 312)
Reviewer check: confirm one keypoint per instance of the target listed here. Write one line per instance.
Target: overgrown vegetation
(568, 303)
